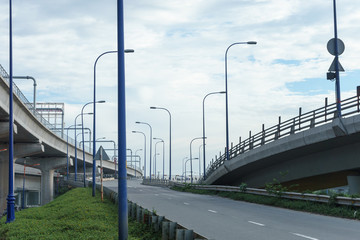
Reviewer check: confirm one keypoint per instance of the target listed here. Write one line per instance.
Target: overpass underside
(319, 158)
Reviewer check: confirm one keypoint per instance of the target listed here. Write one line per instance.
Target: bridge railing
(32, 109)
(303, 121)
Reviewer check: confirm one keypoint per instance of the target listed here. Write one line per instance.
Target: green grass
(306, 206)
(73, 215)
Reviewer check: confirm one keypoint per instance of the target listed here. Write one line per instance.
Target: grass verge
(73, 215)
(306, 206)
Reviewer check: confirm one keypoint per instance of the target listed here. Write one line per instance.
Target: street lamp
(67, 149)
(161, 140)
(191, 158)
(183, 165)
(139, 157)
(161, 108)
(10, 215)
(203, 106)
(226, 94)
(150, 143)
(190, 170)
(82, 130)
(94, 100)
(144, 151)
(76, 143)
(154, 160)
(122, 188)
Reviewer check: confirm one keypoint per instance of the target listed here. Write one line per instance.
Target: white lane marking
(304, 236)
(186, 203)
(256, 223)
(212, 211)
(140, 190)
(156, 194)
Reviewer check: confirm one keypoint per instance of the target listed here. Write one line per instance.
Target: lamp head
(252, 42)
(222, 92)
(129, 50)
(152, 107)
(101, 101)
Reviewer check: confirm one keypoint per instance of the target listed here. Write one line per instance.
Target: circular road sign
(331, 46)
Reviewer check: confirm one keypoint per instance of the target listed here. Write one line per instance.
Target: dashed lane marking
(256, 223)
(304, 236)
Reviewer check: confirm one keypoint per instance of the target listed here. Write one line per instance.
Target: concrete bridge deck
(35, 142)
(318, 158)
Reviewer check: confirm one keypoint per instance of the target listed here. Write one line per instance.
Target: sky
(179, 58)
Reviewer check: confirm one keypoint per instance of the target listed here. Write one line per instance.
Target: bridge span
(35, 142)
(312, 151)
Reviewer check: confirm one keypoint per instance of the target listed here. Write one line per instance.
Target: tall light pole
(94, 96)
(192, 158)
(144, 151)
(203, 107)
(150, 144)
(10, 216)
(122, 191)
(226, 94)
(161, 108)
(161, 140)
(131, 155)
(82, 131)
(139, 157)
(67, 150)
(75, 163)
(337, 75)
(183, 166)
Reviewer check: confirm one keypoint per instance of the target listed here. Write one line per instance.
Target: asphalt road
(220, 218)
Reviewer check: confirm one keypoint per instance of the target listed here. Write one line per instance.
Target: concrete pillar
(4, 180)
(20, 150)
(354, 184)
(47, 185)
(47, 167)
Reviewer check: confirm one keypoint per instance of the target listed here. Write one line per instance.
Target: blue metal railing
(32, 109)
(303, 121)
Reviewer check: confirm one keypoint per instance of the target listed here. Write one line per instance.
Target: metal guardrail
(303, 121)
(288, 195)
(32, 109)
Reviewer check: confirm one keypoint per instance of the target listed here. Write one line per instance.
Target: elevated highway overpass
(35, 142)
(312, 151)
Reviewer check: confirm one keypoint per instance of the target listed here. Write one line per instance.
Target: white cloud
(179, 58)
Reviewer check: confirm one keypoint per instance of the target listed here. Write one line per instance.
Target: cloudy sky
(179, 58)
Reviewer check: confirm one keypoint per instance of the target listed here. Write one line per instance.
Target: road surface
(220, 218)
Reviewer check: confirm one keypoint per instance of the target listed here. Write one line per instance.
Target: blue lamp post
(150, 145)
(192, 158)
(139, 158)
(82, 131)
(75, 163)
(161, 108)
(203, 106)
(161, 140)
(144, 151)
(94, 109)
(10, 217)
(226, 94)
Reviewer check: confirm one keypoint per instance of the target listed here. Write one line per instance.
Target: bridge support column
(354, 184)
(4, 180)
(47, 167)
(20, 150)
